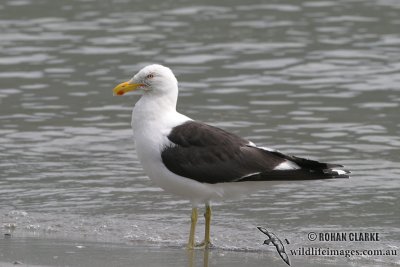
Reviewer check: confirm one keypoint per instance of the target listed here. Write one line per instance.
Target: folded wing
(208, 154)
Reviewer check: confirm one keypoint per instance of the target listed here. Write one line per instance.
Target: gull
(200, 162)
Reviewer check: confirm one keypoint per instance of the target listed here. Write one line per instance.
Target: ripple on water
(317, 79)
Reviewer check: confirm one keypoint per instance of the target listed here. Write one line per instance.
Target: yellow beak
(125, 87)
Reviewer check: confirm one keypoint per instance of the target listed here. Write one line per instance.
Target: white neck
(153, 118)
(154, 106)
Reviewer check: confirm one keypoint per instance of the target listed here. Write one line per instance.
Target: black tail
(309, 170)
(295, 175)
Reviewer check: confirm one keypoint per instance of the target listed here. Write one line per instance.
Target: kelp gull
(200, 162)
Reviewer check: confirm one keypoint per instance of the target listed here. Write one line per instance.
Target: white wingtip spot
(287, 165)
(339, 172)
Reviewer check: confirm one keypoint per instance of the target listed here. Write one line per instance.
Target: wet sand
(56, 251)
(317, 79)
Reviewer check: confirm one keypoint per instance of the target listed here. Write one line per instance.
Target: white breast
(151, 136)
(151, 126)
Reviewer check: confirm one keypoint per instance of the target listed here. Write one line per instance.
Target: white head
(153, 80)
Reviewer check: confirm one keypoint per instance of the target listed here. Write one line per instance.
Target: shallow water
(318, 79)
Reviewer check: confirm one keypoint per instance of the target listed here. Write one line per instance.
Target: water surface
(318, 79)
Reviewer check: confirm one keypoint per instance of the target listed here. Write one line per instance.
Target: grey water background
(318, 79)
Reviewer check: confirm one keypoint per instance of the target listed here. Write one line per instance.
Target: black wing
(208, 154)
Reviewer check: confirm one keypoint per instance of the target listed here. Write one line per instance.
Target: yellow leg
(193, 219)
(206, 242)
(207, 216)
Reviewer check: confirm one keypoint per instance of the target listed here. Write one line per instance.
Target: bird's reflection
(192, 257)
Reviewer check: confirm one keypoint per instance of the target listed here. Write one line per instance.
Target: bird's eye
(149, 76)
